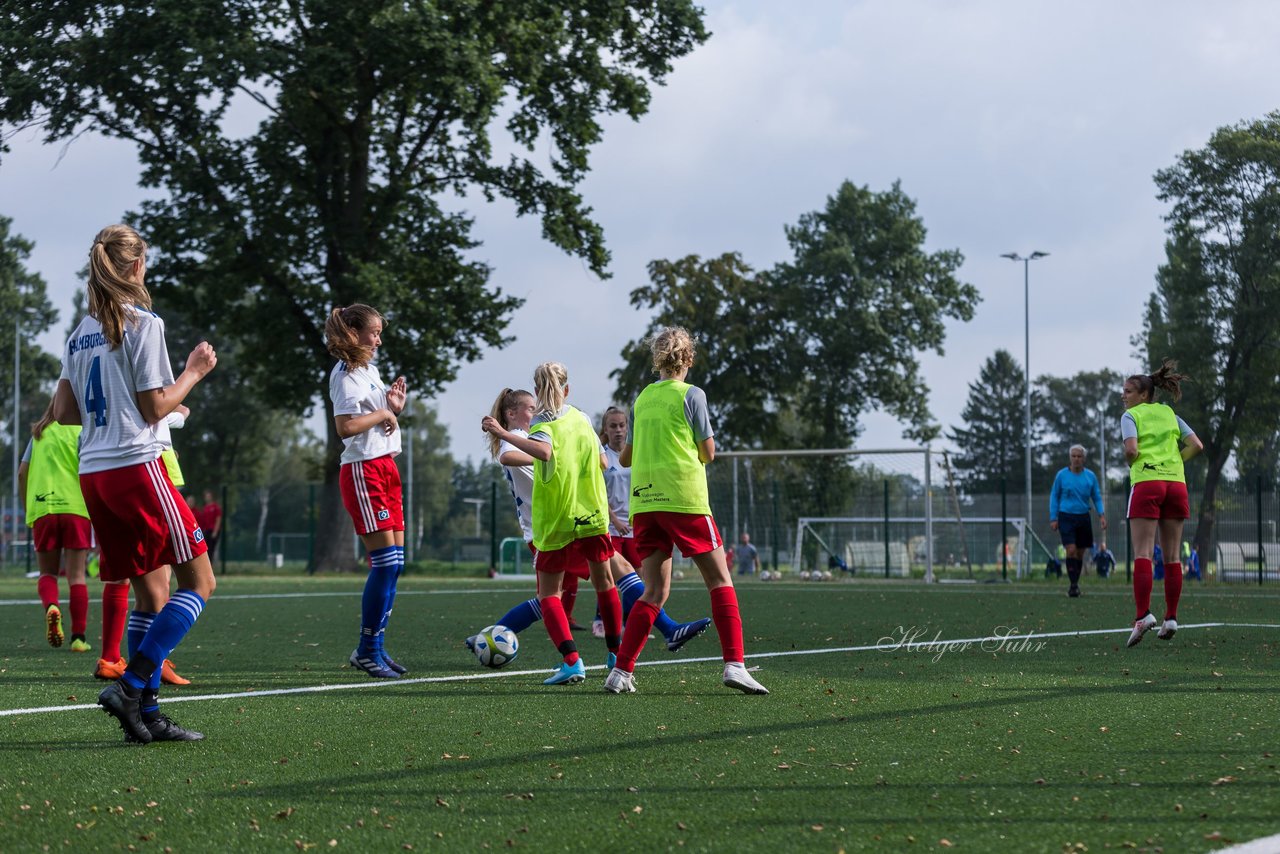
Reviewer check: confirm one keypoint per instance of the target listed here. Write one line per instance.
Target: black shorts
(1076, 529)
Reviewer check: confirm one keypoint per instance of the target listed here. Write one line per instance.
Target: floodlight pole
(17, 391)
(1026, 357)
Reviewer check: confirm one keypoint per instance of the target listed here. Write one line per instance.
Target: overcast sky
(1016, 126)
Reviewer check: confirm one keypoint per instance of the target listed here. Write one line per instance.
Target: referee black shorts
(1076, 529)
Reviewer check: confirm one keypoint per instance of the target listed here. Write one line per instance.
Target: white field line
(1268, 845)
(860, 587)
(220, 597)
(891, 645)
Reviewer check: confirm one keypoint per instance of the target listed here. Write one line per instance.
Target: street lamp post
(1026, 356)
(17, 355)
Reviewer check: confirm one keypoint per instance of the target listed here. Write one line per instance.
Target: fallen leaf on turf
(441, 802)
(816, 828)
(1222, 781)
(680, 825)
(784, 767)
(284, 813)
(637, 809)
(945, 843)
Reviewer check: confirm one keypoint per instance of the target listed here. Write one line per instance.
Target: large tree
(794, 356)
(1216, 307)
(315, 153)
(1074, 410)
(992, 444)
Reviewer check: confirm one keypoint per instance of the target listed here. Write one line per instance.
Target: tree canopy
(1216, 307)
(794, 356)
(316, 153)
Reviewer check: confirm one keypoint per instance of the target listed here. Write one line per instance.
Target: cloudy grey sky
(1015, 125)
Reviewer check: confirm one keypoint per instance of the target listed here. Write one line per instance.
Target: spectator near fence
(747, 556)
(210, 518)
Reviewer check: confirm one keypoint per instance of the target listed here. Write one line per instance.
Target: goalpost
(847, 507)
(805, 472)
(865, 545)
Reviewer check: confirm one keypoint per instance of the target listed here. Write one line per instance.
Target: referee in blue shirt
(1073, 489)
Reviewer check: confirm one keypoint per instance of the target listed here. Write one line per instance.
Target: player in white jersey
(364, 411)
(117, 383)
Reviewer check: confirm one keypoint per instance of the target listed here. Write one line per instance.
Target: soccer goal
(975, 548)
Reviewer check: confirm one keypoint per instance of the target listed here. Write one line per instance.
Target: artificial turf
(1061, 743)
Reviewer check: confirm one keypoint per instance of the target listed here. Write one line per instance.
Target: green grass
(1079, 741)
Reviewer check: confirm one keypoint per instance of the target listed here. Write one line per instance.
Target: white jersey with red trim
(359, 391)
(106, 383)
(520, 480)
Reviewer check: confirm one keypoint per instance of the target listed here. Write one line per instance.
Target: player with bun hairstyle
(364, 411)
(669, 442)
(626, 559)
(513, 410)
(570, 516)
(118, 384)
(1156, 443)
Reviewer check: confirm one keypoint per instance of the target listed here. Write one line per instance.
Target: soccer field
(1056, 738)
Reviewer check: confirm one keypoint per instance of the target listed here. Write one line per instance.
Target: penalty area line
(885, 644)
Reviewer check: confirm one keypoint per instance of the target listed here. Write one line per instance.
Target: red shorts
(145, 524)
(1159, 499)
(626, 546)
(661, 531)
(62, 531)
(574, 558)
(371, 494)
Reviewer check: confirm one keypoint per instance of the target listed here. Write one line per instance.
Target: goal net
(975, 548)
(837, 511)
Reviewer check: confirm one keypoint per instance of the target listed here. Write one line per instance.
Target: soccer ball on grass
(496, 646)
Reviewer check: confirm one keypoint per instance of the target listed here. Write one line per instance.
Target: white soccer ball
(764, 575)
(804, 575)
(826, 575)
(678, 575)
(496, 646)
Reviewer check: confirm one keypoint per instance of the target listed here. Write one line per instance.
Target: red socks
(47, 587)
(728, 620)
(569, 595)
(79, 608)
(558, 628)
(1172, 589)
(639, 623)
(115, 614)
(611, 614)
(1142, 580)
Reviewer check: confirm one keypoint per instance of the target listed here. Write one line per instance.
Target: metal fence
(849, 513)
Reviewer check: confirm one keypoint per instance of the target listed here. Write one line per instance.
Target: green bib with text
(53, 478)
(569, 501)
(1159, 457)
(666, 473)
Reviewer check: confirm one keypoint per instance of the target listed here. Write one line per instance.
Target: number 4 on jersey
(94, 400)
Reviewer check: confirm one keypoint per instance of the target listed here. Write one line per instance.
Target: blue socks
(630, 589)
(166, 631)
(521, 616)
(139, 623)
(379, 591)
(391, 597)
